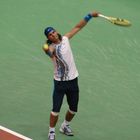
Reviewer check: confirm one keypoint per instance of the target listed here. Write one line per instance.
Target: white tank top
(64, 65)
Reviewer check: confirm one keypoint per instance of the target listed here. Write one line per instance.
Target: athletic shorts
(68, 88)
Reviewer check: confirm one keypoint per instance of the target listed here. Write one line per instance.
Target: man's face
(53, 36)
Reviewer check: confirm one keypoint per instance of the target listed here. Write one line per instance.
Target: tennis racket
(117, 21)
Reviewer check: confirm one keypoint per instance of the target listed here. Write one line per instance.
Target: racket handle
(103, 16)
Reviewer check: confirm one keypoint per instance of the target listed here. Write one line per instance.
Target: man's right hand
(95, 14)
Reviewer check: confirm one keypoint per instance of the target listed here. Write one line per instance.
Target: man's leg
(53, 121)
(65, 127)
(58, 95)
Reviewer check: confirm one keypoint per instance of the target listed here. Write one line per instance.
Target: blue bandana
(48, 30)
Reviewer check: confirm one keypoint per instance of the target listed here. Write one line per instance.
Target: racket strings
(119, 21)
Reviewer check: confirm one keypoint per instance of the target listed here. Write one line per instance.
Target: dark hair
(50, 42)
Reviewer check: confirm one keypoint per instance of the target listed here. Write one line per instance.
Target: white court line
(14, 133)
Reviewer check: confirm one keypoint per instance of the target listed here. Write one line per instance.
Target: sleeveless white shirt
(64, 65)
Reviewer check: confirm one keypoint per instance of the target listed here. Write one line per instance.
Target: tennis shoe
(65, 129)
(51, 135)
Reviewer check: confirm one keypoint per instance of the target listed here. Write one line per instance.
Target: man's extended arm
(81, 24)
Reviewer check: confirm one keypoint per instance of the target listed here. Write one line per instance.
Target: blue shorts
(68, 88)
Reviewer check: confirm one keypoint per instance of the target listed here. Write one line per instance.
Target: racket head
(119, 21)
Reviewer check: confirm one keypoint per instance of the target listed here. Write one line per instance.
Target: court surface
(7, 134)
(107, 57)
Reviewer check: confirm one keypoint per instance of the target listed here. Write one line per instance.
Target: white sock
(51, 129)
(65, 123)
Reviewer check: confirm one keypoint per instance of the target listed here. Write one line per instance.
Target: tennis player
(58, 48)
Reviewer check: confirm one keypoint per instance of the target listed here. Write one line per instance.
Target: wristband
(88, 17)
(49, 53)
